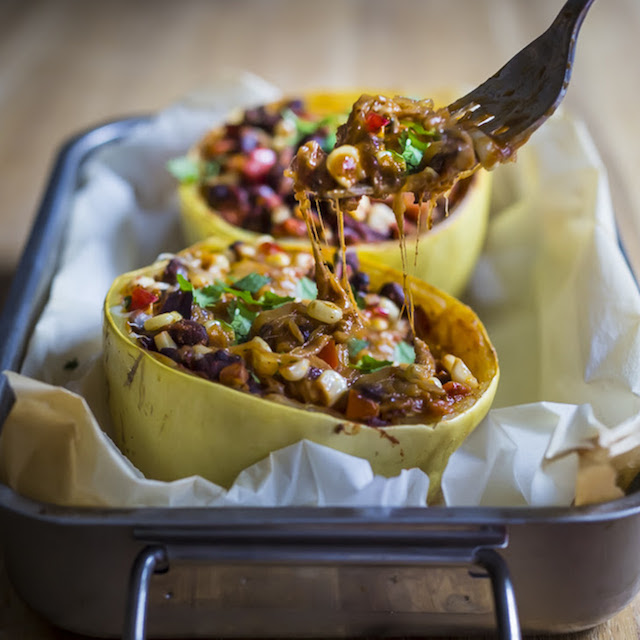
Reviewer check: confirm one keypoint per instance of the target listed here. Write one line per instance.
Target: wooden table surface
(69, 64)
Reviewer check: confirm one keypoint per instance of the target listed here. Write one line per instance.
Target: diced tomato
(442, 406)
(291, 228)
(375, 121)
(267, 248)
(360, 408)
(380, 311)
(456, 389)
(329, 353)
(141, 298)
(258, 163)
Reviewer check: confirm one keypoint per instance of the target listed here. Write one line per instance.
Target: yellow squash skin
(446, 255)
(171, 424)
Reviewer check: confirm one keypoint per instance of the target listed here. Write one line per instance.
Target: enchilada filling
(241, 172)
(282, 326)
(394, 147)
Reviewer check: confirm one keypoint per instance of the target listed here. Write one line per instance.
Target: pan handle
(150, 560)
(154, 559)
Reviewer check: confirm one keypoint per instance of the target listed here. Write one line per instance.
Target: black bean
(254, 386)
(373, 391)
(147, 342)
(394, 292)
(248, 139)
(172, 353)
(179, 301)
(188, 332)
(296, 105)
(352, 260)
(359, 282)
(171, 271)
(261, 118)
(211, 364)
(232, 131)
(236, 248)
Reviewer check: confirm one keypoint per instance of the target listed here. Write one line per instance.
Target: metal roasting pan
(295, 572)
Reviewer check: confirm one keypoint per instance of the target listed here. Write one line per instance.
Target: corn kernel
(161, 321)
(279, 259)
(459, 371)
(381, 218)
(295, 371)
(164, 341)
(390, 307)
(324, 311)
(260, 343)
(201, 349)
(280, 214)
(332, 385)
(379, 324)
(265, 363)
(344, 165)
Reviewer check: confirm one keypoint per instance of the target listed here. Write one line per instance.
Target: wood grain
(69, 64)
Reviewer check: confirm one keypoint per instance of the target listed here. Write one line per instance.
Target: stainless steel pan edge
(571, 568)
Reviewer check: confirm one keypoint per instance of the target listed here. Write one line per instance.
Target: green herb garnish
(411, 153)
(211, 169)
(307, 289)
(308, 127)
(270, 300)
(241, 289)
(240, 319)
(184, 168)
(252, 282)
(418, 128)
(205, 296)
(369, 364)
(355, 346)
(405, 353)
(413, 145)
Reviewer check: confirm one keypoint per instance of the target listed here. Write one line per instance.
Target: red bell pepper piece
(329, 353)
(375, 121)
(360, 408)
(141, 298)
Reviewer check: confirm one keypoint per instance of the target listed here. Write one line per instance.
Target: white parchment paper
(552, 287)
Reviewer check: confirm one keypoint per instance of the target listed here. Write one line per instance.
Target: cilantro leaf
(211, 169)
(240, 319)
(185, 285)
(369, 364)
(308, 127)
(329, 142)
(270, 300)
(418, 128)
(411, 154)
(208, 296)
(184, 168)
(404, 352)
(355, 346)
(204, 297)
(307, 289)
(252, 282)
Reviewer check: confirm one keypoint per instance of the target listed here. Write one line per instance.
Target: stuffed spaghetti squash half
(234, 186)
(217, 356)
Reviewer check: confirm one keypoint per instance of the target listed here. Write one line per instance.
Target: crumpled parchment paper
(552, 287)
